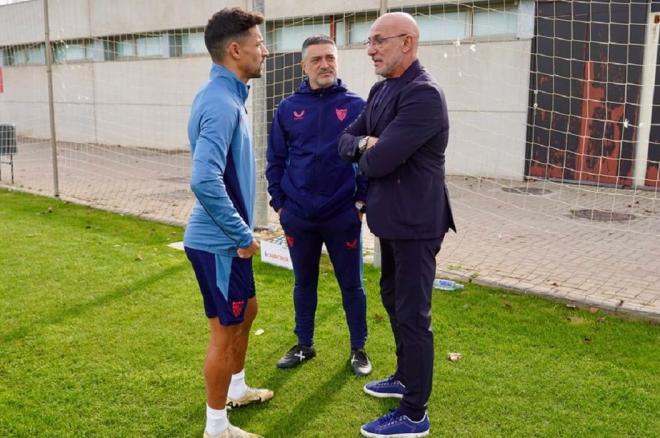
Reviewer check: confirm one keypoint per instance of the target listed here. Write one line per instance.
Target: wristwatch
(361, 206)
(362, 144)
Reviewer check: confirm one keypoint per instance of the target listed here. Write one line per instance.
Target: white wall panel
(132, 16)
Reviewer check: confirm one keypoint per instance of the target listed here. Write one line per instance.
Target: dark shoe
(295, 356)
(360, 362)
(389, 387)
(395, 424)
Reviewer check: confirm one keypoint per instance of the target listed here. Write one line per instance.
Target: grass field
(102, 334)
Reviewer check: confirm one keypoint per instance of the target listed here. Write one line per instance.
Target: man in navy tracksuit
(319, 197)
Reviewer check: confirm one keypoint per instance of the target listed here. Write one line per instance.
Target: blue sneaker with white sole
(389, 387)
(396, 425)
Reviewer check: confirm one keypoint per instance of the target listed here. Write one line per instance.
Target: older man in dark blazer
(399, 142)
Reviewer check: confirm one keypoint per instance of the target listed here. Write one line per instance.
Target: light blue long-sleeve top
(223, 169)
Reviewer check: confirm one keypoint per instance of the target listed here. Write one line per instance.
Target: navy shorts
(226, 284)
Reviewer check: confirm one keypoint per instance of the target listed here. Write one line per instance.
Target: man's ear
(407, 43)
(302, 66)
(234, 50)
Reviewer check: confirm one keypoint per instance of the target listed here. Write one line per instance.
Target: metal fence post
(259, 137)
(376, 262)
(649, 68)
(51, 102)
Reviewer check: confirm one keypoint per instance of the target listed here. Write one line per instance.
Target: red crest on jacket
(341, 113)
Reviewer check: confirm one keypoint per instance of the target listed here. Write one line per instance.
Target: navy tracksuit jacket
(317, 191)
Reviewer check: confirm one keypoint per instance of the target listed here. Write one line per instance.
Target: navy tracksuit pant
(406, 285)
(342, 237)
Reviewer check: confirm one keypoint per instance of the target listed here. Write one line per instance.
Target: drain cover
(527, 190)
(602, 215)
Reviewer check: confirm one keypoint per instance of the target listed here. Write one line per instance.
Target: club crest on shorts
(290, 240)
(298, 115)
(341, 113)
(237, 308)
(351, 244)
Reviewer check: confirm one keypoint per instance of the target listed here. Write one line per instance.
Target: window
(69, 52)
(290, 38)
(438, 22)
(359, 31)
(18, 56)
(502, 20)
(340, 37)
(25, 55)
(36, 55)
(468, 21)
(187, 42)
(126, 48)
(76, 51)
(149, 46)
(192, 43)
(448, 26)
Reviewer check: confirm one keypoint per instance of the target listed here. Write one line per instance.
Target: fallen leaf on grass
(139, 258)
(454, 357)
(571, 306)
(259, 332)
(378, 318)
(593, 309)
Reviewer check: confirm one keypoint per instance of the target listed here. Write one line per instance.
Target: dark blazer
(407, 196)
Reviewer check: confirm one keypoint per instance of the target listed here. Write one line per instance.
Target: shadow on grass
(76, 310)
(309, 408)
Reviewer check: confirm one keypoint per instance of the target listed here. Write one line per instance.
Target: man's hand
(371, 142)
(246, 253)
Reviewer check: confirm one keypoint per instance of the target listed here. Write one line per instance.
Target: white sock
(237, 387)
(216, 421)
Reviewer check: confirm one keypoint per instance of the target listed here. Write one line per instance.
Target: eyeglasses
(378, 41)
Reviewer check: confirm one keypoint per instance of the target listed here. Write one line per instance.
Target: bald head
(401, 22)
(393, 43)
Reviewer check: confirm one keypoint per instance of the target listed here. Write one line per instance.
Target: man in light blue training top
(218, 239)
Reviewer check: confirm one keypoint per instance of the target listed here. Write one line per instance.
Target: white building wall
(133, 16)
(25, 102)
(486, 86)
(146, 103)
(21, 23)
(296, 8)
(279, 9)
(68, 19)
(73, 93)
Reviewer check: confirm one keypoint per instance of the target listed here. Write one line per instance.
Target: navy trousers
(406, 285)
(342, 238)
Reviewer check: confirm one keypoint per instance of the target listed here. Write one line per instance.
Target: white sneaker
(233, 432)
(252, 395)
